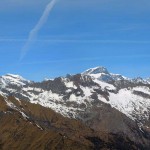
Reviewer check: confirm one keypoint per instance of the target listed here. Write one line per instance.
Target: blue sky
(78, 34)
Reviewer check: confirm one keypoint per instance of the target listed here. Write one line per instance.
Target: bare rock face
(110, 120)
(105, 104)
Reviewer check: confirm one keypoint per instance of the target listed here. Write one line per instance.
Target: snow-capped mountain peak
(11, 79)
(102, 74)
(96, 70)
(18, 77)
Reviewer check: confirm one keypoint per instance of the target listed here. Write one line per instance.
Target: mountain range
(95, 109)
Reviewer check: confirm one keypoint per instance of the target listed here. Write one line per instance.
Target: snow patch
(105, 85)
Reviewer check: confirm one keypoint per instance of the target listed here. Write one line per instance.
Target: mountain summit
(96, 70)
(101, 73)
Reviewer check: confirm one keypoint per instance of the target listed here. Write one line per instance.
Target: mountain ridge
(86, 72)
(75, 88)
(94, 97)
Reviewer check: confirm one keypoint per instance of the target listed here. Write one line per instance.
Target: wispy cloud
(84, 59)
(33, 33)
(72, 41)
(59, 61)
(95, 41)
(12, 40)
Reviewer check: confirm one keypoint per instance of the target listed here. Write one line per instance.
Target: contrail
(33, 33)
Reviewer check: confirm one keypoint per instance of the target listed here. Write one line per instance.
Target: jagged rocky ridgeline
(74, 93)
(101, 100)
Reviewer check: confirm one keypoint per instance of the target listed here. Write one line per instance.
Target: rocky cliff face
(105, 102)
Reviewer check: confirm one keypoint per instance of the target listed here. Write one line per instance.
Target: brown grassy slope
(19, 134)
(3, 106)
(50, 120)
(58, 132)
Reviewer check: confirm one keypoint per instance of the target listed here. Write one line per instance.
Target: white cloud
(33, 33)
(75, 41)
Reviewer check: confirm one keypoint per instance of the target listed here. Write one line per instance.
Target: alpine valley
(92, 110)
